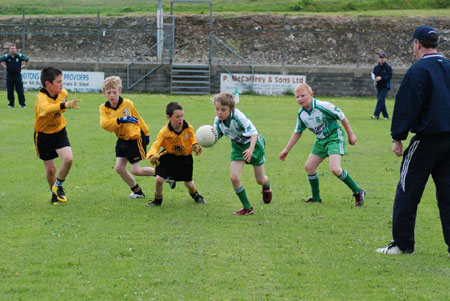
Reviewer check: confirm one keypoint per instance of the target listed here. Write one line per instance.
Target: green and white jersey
(238, 127)
(322, 119)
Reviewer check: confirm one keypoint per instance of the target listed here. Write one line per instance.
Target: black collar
(43, 90)
(185, 126)
(108, 104)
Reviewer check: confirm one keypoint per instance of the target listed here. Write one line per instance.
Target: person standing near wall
(422, 106)
(13, 62)
(383, 76)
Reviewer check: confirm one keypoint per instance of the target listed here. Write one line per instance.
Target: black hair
(171, 107)
(49, 74)
(430, 43)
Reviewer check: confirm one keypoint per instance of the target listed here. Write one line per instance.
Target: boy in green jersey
(247, 147)
(322, 118)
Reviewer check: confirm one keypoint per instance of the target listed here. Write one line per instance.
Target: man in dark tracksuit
(12, 63)
(422, 106)
(383, 76)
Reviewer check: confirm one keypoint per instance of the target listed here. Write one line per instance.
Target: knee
(159, 180)
(337, 171)
(309, 169)
(68, 160)
(51, 171)
(235, 179)
(260, 181)
(134, 170)
(119, 169)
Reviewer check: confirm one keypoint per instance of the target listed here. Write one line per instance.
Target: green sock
(266, 186)
(314, 182)
(345, 177)
(243, 197)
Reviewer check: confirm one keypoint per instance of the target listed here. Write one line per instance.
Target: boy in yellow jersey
(119, 115)
(50, 136)
(174, 162)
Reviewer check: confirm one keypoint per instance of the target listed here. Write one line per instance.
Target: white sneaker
(136, 196)
(172, 183)
(392, 249)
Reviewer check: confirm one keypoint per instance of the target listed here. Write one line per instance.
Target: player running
(50, 136)
(119, 115)
(321, 118)
(247, 147)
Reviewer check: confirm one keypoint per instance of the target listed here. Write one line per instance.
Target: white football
(206, 135)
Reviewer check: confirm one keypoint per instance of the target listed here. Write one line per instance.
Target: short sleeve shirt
(322, 119)
(238, 127)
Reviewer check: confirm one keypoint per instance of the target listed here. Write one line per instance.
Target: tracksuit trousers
(425, 155)
(11, 82)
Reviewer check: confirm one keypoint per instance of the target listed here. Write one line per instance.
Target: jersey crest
(126, 112)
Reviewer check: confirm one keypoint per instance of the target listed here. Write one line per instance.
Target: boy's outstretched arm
(294, 138)
(348, 129)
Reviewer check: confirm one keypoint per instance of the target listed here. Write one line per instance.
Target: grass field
(103, 246)
(117, 7)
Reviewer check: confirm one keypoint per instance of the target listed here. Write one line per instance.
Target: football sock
(314, 182)
(136, 189)
(243, 197)
(158, 198)
(59, 182)
(266, 185)
(345, 177)
(194, 195)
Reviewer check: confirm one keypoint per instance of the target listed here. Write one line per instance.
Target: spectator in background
(383, 75)
(13, 62)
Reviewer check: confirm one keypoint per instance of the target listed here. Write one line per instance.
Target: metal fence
(228, 40)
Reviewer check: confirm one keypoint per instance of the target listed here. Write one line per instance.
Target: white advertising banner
(77, 81)
(266, 84)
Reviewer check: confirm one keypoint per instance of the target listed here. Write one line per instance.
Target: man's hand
(127, 119)
(397, 148)
(154, 160)
(197, 149)
(72, 104)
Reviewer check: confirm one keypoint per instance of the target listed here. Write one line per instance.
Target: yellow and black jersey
(125, 131)
(179, 144)
(49, 115)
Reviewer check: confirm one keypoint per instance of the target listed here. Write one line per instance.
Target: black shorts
(133, 150)
(47, 144)
(178, 168)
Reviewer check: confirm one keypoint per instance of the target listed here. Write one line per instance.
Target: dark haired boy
(174, 162)
(50, 136)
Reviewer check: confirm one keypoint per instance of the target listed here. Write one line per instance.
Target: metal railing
(246, 62)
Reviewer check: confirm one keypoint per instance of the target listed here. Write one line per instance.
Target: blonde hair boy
(119, 115)
(322, 119)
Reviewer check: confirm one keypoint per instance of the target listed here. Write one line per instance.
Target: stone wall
(327, 49)
(325, 81)
(259, 39)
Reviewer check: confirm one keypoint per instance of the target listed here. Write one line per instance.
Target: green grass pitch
(103, 246)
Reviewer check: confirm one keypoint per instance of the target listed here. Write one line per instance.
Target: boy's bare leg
(66, 156)
(137, 170)
(121, 168)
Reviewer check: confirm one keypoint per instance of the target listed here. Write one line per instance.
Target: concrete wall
(325, 81)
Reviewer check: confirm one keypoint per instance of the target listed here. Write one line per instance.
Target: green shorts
(259, 154)
(332, 145)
